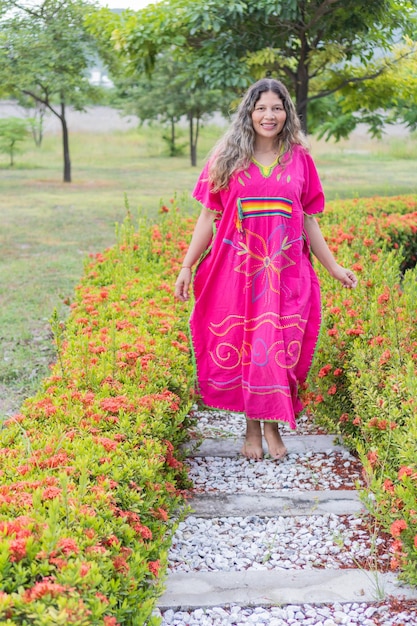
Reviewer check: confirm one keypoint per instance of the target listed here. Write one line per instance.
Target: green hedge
(91, 479)
(363, 381)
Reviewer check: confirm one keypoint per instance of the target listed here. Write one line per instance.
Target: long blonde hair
(235, 149)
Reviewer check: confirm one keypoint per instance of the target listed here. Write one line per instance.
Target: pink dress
(256, 318)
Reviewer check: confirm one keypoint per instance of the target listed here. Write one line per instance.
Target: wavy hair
(235, 149)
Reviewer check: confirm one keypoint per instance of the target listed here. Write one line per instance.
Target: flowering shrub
(92, 481)
(363, 381)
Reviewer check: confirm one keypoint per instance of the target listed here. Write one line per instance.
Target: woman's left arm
(323, 254)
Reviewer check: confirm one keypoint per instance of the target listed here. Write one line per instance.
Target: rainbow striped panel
(255, 207)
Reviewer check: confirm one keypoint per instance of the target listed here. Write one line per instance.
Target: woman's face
(268, 117)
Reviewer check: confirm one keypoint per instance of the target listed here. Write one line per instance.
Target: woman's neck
(265, 152)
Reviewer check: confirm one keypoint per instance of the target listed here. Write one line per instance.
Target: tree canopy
(45, 53)
(320, 49)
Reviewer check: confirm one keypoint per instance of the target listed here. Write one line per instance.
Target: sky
(135, 5)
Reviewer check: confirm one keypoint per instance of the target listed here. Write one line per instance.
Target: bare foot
(276, 446)
(252, 448)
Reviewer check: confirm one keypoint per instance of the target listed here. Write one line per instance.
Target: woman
(256, 317)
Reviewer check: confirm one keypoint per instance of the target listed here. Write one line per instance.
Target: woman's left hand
(346, 277)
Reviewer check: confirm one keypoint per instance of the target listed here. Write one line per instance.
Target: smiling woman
(256, 317)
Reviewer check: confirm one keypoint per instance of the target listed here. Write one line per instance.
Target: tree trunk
(65, 141)
(173, 148)
(301, 85)
(193, 139)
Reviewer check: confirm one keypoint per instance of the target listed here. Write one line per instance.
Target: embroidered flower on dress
(264, 261)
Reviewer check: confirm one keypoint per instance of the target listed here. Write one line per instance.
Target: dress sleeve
(312, 196)
(202, 192)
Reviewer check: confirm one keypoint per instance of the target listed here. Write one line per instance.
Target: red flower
(405, 471)
(84, 569)
(68, 546)
(112, 540)
(388, 486)
(394, 563)
(154, 567)
(50, 493)
(17, 549)
(385, 357)
(114, 405)
(102, 598)
(383, 297)
(325, 370)
(332, 390)
(397, 527)
(143, 531)
(45, 587)
(107, 443)
(120, 564)
(396, 546)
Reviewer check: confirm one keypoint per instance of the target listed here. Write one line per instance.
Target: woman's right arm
(202, 235)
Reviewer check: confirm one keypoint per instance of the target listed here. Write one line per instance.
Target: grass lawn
(49, 227)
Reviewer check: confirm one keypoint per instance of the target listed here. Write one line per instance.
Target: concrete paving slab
(231, 447)
(286, 503)
(269, 588)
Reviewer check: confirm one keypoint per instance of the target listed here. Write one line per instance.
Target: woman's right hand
(182, 284)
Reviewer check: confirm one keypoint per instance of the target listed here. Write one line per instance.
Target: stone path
(279, 543)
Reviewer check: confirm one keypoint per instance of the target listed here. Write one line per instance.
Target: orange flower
(372, 457)
(397, 527)
(388, 486)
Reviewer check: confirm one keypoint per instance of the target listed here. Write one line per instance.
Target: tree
(45, 53)
(13, 130)
(167, 94)
(34, 113)
(166, 97)
(395, 88)
(317, 47)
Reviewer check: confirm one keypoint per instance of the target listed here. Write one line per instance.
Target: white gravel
(281, 543)
(252, 542)
(349, 614)
(310, 471)
(223, 424)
